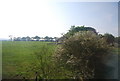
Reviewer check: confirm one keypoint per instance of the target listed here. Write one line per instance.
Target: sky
(50, 18)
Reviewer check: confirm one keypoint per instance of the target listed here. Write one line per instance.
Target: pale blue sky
(42, 18)
(103, 16)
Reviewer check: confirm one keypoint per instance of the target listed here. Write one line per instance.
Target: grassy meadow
(28, 59)
(24, 59)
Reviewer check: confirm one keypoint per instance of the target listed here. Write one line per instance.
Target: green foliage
(117, 40)
(47, 68)
(36, 37)
(81, 52)
(31, 59)
(74, 29)
(21, 58)
(109, 38)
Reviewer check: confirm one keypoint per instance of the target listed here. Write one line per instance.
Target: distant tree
(18, 39)
(56, 39)
(11, 37)
(75, 29)
(46, 38)
(23, 38)
(109, 38)
(37, 38)
(28, 38)
(51, 39)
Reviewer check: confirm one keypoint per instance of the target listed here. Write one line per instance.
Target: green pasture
(30, 58)
(22, 58)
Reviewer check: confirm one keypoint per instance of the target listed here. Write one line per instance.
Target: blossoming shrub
(81, 54)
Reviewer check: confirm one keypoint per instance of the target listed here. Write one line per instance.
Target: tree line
(110, 39)
(36, 38)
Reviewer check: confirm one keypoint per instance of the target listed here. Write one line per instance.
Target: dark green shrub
(81, 53)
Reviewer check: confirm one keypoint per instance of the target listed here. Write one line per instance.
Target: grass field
(29, 58)
(21, 58)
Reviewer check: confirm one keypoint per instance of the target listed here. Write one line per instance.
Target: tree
(117, 40)
(37, 38)
(28, 38)
(51, 39)
(46, 38)
(74, 29)
(23, 39)
(17, 38)
(109, 38)
(55, 39)
(82, 53)
(11, 37)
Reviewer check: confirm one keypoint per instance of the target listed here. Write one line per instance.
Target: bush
(81, 53)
